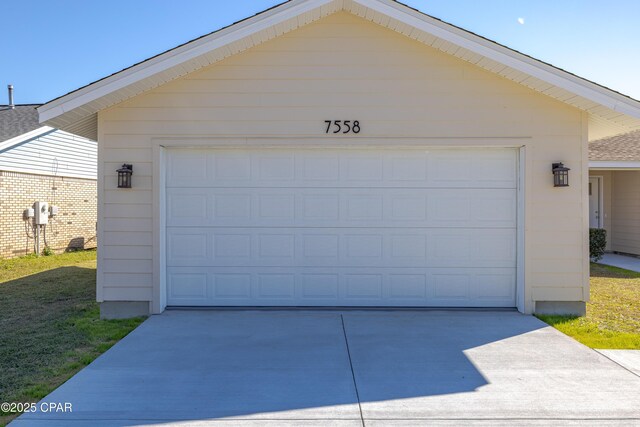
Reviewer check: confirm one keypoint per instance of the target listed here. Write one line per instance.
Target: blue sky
(54, 46)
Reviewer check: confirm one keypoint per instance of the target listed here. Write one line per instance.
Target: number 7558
(340, 126)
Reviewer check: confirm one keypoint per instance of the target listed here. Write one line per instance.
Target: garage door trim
(159, 198)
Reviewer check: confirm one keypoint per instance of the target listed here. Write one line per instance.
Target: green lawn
(613, 315)
(49, 323)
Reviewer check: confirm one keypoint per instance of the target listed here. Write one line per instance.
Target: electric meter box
(53, 210)
(42, 213)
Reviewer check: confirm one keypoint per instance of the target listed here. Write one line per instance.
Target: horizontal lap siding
(345, 68)
(625, 221)
(56, 153)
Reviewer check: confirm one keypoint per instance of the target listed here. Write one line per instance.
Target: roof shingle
(625, 147)
(17, 121)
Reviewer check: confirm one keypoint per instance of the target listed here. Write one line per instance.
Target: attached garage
(253, 187)
(341, 227)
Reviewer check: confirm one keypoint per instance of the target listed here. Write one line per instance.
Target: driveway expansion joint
(353, 374)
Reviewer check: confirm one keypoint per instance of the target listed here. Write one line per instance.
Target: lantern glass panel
(124, 176)
(560, 175)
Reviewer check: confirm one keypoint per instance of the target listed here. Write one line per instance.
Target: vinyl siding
(625, 215)
(346, 68)
(57, 153)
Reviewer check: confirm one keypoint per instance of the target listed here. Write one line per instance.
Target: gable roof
(18, 121)
(20, 124)
(619, 148)
(76, 112)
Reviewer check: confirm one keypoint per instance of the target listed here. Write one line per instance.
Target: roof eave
(81, 104)
(614, 165)
(513, 59)
(175, 57)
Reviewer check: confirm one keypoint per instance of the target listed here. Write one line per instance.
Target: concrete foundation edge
(123, 309)
(575, 308)
(129, 309)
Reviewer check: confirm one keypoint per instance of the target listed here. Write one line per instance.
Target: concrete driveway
(350, 368)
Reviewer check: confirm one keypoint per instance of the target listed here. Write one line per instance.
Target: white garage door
(314, 227)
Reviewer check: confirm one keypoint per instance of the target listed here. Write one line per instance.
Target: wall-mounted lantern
(124, 176)
(560, 175)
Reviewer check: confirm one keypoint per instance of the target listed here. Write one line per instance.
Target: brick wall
(73, 227)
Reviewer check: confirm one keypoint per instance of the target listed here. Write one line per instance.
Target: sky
(51, 47)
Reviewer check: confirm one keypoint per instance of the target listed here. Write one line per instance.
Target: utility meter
(53, 210)
(42, 213)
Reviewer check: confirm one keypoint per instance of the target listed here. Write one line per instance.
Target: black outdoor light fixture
(560, 175)
(124, 176)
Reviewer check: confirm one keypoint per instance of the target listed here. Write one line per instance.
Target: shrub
(47, 251)
(597, 243)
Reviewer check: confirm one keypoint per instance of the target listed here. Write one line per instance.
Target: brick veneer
(74, 227)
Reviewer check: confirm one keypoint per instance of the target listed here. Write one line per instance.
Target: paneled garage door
(329, 227)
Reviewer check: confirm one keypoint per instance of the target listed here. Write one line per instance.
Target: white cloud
(521, 21)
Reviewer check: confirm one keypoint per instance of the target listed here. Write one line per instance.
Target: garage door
(329, 227)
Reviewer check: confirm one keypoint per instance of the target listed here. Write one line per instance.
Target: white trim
(600, 179)
(101, 208)
(177, 56)
(346, 143)
(618, 164)
(161, 144)
(584, 172)
(159, 293)
(71, 103)
(520, 234)
(508, 57)
(9, 143)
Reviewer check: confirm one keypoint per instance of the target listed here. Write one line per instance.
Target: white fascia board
(25, 137)
(290, 10)
(614, 165)
(177, 56)
(505, 56)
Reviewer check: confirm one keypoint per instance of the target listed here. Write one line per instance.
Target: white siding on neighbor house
(56, 153)
(346, 68)
(625, 212)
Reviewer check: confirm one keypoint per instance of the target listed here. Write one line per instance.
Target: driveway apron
(351, 368)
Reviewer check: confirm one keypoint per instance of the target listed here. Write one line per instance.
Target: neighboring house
(42, 164)
(614, 190)
(434, 190)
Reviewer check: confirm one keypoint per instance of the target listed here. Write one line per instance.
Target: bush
(597, 243)
(47, 251)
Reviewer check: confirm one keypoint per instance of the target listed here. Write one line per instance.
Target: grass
(17, 268)
(50, 324)
(613, 315)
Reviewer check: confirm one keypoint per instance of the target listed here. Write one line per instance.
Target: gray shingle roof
(15, 122)
(625, 147)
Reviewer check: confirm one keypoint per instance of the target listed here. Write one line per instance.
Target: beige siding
(625, 215)
(346, 68)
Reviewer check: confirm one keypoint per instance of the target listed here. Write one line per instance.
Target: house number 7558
(343, 126)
